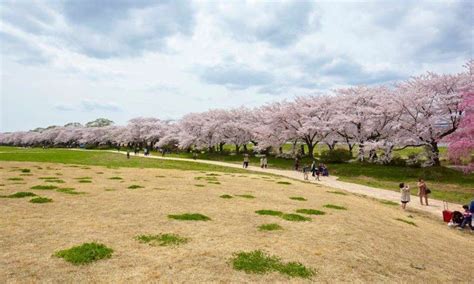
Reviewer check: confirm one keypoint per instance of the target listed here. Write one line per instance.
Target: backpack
(457, 217)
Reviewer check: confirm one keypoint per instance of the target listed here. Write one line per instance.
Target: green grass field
(98, 158)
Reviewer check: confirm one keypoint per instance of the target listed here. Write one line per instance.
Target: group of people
(316, 171)
(458, 219)
(423, 192)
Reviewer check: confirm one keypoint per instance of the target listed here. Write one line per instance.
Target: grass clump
(69, 190)
(337, 207)
(388, 202)
(85, 181)
(54, 180)
(295, 218)
(299, 198)
(199, 185)
(85, 253)
(115, 178)
(47, 178)
(259, 262)
(213, 182)
(15, 178)
(246, 196)
(337, 192)
(284, 182)
(20, 194)
(406, 221)
(269, 212)
(226, 196)
(190, 217)
(41, 200)
(162, 239)
(44, 187)
(310, 211)
(135, 186)
(270, 227)
(25, 170)
(79, 178)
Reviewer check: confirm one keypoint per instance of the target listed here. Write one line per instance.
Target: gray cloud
(280, 24)
(105, 29)
(235, 76)
(22, 51)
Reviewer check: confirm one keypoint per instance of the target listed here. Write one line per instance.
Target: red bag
(447, 215)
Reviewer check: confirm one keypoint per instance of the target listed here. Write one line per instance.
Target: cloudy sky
(65, 61)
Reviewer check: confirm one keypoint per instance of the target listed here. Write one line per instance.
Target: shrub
(25, 170)
(41, 200)
(336, 156)
(190, 217)
(226, 196)
(85, 253)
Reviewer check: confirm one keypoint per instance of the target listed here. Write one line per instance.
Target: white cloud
(74, 61)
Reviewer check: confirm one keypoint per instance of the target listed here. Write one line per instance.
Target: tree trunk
(280, 150)
(302, 149)
(237, 148)
(434, 154)
(245, 148)
(310, 150)
(221, 147)
(361, 152)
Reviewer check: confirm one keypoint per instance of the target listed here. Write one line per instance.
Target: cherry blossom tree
(461, 142)
(431, 110)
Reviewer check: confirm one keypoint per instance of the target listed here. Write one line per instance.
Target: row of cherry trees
(422, 111)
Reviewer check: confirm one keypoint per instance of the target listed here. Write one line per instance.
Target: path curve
(435, 207)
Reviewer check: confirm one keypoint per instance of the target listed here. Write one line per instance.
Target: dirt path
(435, 207)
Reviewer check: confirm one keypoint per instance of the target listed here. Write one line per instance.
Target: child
(405, 191)
(467, 220)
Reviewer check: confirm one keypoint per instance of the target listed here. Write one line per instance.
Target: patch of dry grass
(355, 244)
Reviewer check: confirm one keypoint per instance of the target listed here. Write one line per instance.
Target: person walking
(405, 192)
(246, 160)
(422, 191)
(297, 163)
(313, 168)
(265, 162)
(128, 154)
(261, 162)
